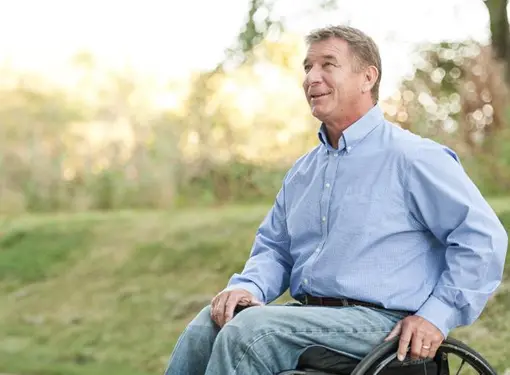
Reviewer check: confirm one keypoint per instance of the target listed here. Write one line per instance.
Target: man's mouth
(316, 96)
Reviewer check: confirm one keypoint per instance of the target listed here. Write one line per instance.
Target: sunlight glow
(168, 39)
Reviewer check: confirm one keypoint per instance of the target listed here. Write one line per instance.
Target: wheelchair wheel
(460, 359)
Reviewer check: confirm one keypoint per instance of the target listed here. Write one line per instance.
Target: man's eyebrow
(329, 57)
(324, 57)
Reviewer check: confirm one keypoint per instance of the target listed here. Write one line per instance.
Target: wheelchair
(451, 357)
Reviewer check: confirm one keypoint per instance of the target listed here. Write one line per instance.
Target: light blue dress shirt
(389, 218)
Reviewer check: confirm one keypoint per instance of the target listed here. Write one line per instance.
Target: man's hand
(424, 337)
(224, 304)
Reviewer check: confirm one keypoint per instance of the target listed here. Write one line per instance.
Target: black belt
(309, 300)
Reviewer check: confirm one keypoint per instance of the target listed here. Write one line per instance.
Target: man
(384, 223)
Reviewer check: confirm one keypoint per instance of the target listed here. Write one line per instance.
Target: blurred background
(141, 143)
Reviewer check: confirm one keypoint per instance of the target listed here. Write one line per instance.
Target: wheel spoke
(462, 364)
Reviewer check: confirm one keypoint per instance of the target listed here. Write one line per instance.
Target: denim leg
(193, 348)
(270, 339)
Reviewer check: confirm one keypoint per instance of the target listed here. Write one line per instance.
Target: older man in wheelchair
(384, 242)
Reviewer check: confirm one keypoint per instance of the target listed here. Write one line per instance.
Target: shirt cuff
(250, 287)
(440, 314)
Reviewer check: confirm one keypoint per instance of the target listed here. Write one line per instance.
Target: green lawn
(108, 293)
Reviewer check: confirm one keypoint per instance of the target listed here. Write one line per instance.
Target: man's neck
(335, 127)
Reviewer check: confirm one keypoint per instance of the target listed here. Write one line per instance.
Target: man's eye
(327, 64)
(307, 68)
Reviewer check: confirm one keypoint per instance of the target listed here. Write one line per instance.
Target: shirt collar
(356, 131)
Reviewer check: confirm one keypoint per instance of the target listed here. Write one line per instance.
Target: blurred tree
(33, 125)
(134, 158)
(209, 124)
(456, 96)
(500, 31)
(261, 21)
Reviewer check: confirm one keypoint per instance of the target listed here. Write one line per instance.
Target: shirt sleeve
(266, 274)
(445, 201)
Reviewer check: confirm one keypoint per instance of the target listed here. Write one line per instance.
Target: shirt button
(317, 250)
(336, 154)
(349, 148)
(305, 281)
(324, 218)
(327, 185)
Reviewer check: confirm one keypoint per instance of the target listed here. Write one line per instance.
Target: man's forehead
(327, 49)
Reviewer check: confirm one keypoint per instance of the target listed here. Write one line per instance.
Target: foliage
(457, 96)
(62, 152)
(232, 182)
(135, 281)
(110, 140)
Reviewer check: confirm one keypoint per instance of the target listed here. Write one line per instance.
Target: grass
(21, 261)
(109, 293)
(500, 204)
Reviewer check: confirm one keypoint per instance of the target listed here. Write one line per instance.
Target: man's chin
(319, 113)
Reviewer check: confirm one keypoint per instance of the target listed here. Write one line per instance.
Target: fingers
(256, 302)
(218, 308)
(434, 346)
(395, 331)
(425, 349)
(230, 306)
(225, 303)
(417, 345)
(422, 336)
(405, 339)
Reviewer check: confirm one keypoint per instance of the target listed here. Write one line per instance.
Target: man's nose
(313, 76)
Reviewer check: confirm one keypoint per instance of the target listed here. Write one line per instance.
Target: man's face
(331, 84)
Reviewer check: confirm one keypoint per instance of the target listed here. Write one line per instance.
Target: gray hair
(364, 50)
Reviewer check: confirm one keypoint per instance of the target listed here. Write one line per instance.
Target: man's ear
(369, 78)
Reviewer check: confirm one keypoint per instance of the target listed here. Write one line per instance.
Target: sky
(170, 38)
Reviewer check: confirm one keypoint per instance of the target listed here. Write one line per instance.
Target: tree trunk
(500, 31)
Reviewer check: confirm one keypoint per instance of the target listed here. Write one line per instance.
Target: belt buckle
(345, 303)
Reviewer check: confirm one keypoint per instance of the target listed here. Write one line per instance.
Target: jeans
(269, 339)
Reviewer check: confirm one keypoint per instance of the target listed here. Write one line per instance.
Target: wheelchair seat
(320, 360)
